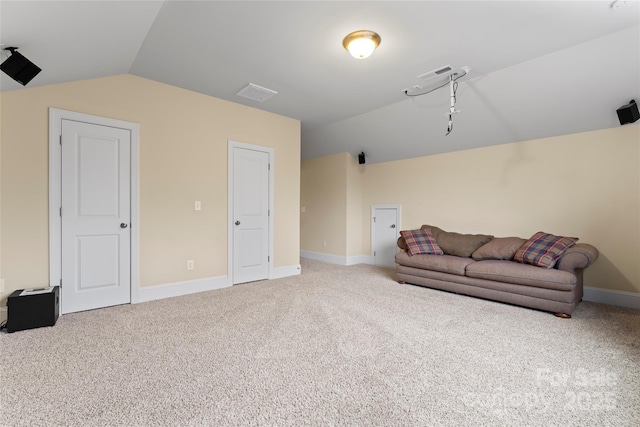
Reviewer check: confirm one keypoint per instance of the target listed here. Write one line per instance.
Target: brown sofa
(483, 266)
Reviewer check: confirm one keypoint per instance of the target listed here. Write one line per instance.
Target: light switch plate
(197, 205)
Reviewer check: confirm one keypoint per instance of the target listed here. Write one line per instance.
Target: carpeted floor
(334, 346)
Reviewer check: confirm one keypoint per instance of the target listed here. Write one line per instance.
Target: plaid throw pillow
(421, 242)
(543, 249)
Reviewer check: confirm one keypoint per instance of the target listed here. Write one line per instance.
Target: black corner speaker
(19, 68)
(361, 158)
(628, 113)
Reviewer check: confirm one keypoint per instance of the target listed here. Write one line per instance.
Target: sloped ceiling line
(345, 104)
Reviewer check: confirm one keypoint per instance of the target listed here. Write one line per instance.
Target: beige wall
(3, 310)
(585, 185)
(183, 158)
(323, 189)
(355, 209)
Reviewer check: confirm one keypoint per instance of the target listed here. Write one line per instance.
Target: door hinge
(374, 253)
(268, 258)
(268, 212)
(60, 211)
(374, 219)
(61, 283)
(60, 139)
(269, 166)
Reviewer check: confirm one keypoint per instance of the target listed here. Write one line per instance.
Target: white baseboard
(169, 290)
(319, 256)
(336, 259)
(611, 297)
(290, 270)
(359, 259)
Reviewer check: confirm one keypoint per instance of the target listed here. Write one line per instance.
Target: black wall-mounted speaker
(19, 68)
(628, 113)
(361, 158)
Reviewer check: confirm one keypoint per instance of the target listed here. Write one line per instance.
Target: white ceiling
(539, 68)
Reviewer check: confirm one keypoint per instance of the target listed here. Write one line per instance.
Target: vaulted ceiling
(538, 68)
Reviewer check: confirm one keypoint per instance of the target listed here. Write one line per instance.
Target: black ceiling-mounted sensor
(361, 158)
(628, 113)
(19, 68)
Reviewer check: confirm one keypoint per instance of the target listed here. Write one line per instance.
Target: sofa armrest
(579, 256)
(402, 244)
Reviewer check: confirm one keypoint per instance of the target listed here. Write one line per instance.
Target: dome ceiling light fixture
(361, 44)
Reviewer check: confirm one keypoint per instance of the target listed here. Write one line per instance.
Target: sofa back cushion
(457, 244)
(543, 249)
(499, 248)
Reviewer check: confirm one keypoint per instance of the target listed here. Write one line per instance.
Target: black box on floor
(32, 308)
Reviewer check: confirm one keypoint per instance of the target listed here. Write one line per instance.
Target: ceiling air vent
(256, 93)
(438, 72)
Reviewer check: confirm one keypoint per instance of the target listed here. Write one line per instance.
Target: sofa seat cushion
(522, 274)
(443, 263)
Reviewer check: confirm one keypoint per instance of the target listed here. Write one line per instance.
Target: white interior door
(385, 230)
(96, 216)
(250, 215)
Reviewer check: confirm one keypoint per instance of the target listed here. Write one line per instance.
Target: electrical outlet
(197, 205)
(190, 264)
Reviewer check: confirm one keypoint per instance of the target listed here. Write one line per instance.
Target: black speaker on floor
(19, 68)
(628, 113)
(361, 158)
(33, 308)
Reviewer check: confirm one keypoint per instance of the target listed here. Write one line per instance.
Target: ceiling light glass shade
(361, 44)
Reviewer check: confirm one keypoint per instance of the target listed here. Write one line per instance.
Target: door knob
(123, 225)
(393, 226)
(237, 222)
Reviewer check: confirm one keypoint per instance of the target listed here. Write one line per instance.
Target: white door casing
(250, 219)
(93, 231)
(385, 230)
